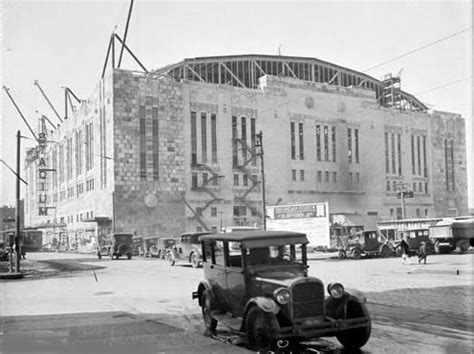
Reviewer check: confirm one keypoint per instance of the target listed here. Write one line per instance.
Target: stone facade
(170, 156)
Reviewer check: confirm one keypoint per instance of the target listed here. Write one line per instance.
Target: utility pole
(17, 213)
(264, 211)
(402, 198)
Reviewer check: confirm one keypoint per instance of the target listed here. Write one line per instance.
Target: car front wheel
(262, 330)
(209, 321)
(355, 338)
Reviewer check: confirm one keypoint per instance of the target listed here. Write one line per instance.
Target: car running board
(233, 323)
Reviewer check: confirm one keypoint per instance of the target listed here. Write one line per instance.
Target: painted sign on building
(42, 187)
(311, 219)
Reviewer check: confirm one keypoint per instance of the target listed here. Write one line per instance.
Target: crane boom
(36, 83)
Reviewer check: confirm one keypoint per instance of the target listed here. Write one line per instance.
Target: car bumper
(327, 327)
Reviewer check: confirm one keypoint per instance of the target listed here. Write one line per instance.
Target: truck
(452, 234)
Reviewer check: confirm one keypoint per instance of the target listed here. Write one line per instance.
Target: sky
(63, 43)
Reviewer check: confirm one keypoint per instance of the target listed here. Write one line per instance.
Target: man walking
(405, 248)
(422, 253)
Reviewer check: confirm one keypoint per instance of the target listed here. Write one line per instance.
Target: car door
(235, 293)
(218, 273)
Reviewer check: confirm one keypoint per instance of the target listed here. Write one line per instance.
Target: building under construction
(179, 149)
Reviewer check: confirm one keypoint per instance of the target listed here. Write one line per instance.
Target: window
(394, 163)
(155, 149)
(413, 155)
(417, 212)
(318, 142)
(194, 180)
(204, 178)
(236, 179)
(326, 176)
(420, 187)
(253, 139)
(240, 210)
(219, 253)
(326, 143)
(399, 153)
(426, 212)
(425, 169)
(394, 186)
(414, 186)
(391, 213)
(350, 177)
(333, 140)
(301, 175)
(426, 187)
(243, 128)
(349, 144)
(356, 143)
(193, 139)
(301, 141)
(246, 180)
(387, 161)
(334, 177)
(214, 138)
(418, 151)
(203, 137)
(388, 186)
(234, 141)
(293, 142)
(357, 177)
(142, 164)
(319, 176)
(293, 175)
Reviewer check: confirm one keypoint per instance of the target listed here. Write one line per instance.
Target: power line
(419, 48)
(444, 85)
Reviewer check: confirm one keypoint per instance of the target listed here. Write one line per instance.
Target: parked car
(119, 245)
(262, 289)
(187, 249)
(414, 239)
(367, 243)
(162, 246)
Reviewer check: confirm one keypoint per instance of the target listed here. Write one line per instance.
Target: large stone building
(177, 149)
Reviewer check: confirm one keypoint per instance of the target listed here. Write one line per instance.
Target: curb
(13, 275)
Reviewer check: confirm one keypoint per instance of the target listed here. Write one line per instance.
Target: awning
(366, 221)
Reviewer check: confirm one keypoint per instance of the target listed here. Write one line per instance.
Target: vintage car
(367, 243)
(187, 249)
(262, 289)
(117, 246)
(414, 239)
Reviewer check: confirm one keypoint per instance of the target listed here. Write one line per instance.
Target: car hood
(280, 277)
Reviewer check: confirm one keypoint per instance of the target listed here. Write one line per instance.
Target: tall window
(399, 153)
(333, 140)
(387, 154)
(243, 128)
(413, 171)
(293, 140)
(356, 143)
(253, 137)
(418, 151)
(394, 171)
(193, 138)
(234, 141)
(142, 131)
(425, 169)
(301, 141)
(318, 142)
(156, 147)
(204, 137)
(214, 138)
(61, 162)
(349, 144)
(326, 143)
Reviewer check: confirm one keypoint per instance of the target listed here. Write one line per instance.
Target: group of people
(405, 248)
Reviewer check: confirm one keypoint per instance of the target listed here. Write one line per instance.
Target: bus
(453, 234)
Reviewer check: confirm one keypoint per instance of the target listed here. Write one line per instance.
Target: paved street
(145, 302)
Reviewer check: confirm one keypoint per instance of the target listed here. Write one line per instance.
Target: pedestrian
(405, 248)
(422, 253)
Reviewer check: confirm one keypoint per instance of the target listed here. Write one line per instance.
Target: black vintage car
(117, 245)
(257, 283)
(187, 249)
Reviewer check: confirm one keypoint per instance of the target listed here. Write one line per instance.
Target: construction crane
(36, 83)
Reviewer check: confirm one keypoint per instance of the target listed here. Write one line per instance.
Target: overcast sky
(63, 43)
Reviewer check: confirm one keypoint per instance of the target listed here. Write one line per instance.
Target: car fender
(357, 295)
(203, 285)
(265, 304)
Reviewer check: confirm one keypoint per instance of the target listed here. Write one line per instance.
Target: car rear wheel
(342, 254)
(355, 338)
(129, 256)
(262, 330)
(195, 260)
(209, 321)
(356, 253)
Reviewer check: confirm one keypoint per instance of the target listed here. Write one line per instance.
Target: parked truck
(452, 234)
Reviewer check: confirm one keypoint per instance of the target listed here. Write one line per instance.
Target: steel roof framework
(245, 70)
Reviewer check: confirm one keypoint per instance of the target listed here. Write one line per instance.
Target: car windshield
(273, 255)
(122, 238)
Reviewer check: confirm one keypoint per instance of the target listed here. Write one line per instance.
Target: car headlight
(281, 295)
(336, 290)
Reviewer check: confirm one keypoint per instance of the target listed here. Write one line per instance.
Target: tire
(356, 253)
(262, 330)
(355, 338)
(342, 254)
(129, 256)
(171, 258)
(206, 308)
(195, 260)
(463, 246)
(385, 252)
